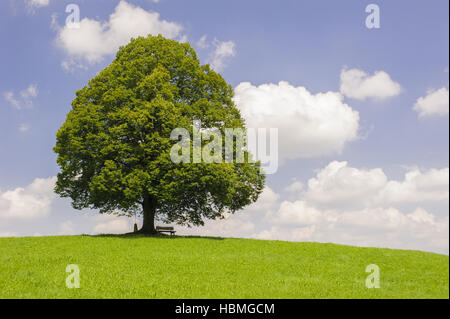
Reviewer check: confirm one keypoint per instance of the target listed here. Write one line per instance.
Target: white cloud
(202, 43)
(338, 185)
(95, 39)
(295, 187)
(24, 127)
(309, 125)
(30, 92)
(385, 218)
(66, 228)
(279, 233)
(347, 205)
(33, 201)
(8, 234)
(37, 3)
(26, 97)
(389, 227)
(183, 39)
(9, 97)
(231, 226)
(113, 226)
(379, 227)
(222, 52)
(297, 213)
(431, 185)
(359, 85)
(434, 103)
(72, 64)
(265, 202)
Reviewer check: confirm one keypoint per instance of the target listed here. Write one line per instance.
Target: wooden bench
(168, 229)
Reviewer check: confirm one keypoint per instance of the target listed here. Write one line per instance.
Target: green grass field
(194, 267)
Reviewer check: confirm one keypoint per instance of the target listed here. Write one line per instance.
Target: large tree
(114, 147)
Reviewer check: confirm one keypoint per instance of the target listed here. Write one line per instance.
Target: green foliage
(174, 267)
(114, 147)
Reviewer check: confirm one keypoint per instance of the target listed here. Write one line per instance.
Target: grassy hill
(193, 267)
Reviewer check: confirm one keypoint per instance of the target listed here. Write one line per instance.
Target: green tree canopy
(114, 147)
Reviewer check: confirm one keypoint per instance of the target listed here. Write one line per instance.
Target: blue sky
(308, 44)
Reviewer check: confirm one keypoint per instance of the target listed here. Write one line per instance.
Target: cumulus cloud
(25, 99)
(380, 227)
(265, 202)
(231, 226)
(309, 125)
(295, 187)
(348, 205)
(298, 212)
(202, 43)
(301, 213)
(222, 52)
(294, 234)
(339, 185)
(357, 84)
(66, 228)
(94, 40)
(32, 201)
(113, 225)
(8, 234)
(434, 103)
(417, 186)
(358, 206)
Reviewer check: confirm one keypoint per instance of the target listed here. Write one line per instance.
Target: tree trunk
(149, 208)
